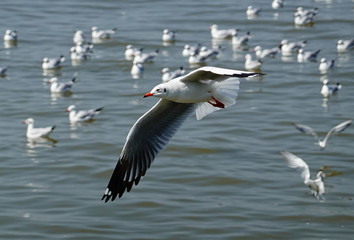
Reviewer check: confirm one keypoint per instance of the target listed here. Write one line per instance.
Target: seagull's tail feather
(225, 92)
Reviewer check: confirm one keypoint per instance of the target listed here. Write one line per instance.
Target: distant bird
(84, 48)
(141, 57)
(277, 4)
(74, 55)
(303, 20)
(322, 143)
(79, 37)
(252, 11)
(188, 49)
(137, 69)
(302, 12)
(196, 59)
(262, 53)
(252, 65)
(102, 34)
(33, 132)
(208, 52)
(168, 75)
(317, 185)
(83, 115)
(130, 51)
(241, 40)
(303, 56)
(52, 63)
(10, 35)
(3, 70)
(168, 36)
(328, 90)
(288, 48)
(221, 33)
(203, 91)
(345, 45)
(325, 65)
(57, 87)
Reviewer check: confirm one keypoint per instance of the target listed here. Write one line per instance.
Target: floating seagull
(302, 12)
(277, 4)
(205, 52)
(345, 45)
(328, 90)
(102, 34)
(252, 65)
(137, 69)
(52, 63)
(168, 36)
(252, 11)
(10, 35)
(84, 48)
(325, 65)
(322, 143)
(141, 57)
(221, 33)
(262, 53)
(56, 87)
(74, 55)
(241, 40)
(79, 37)
(82, 116)
(288, 48)
(204, 90)
(303, 56)
(196, 59)
(167, 75)
(130, 51)
(33, 132)
(188, 49)
(316, 185)
(303, 20)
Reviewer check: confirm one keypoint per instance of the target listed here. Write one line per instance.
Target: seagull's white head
(257, 48)
(165, 70)
(160, 91)
(53, 80)
(70, 108)
(28, 121)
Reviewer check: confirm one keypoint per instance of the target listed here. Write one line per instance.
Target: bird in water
(316, 185)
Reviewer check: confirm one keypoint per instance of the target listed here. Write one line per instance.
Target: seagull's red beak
(148, 95)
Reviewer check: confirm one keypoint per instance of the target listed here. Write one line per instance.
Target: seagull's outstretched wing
(294, 161)
(145, 140)
(307, 130)
(337, 129)
(216, 74)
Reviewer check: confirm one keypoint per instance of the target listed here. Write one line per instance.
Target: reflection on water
(33, 146)
(10, 44)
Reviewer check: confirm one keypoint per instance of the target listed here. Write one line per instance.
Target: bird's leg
(217, 103)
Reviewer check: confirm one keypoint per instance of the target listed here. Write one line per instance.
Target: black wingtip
(99, 109)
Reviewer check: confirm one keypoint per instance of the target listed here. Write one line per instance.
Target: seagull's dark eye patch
(164, 90)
